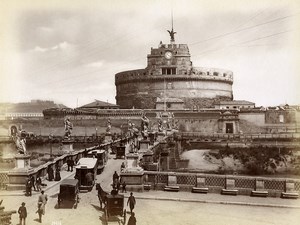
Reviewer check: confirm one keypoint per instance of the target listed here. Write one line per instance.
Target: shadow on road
(97, 207)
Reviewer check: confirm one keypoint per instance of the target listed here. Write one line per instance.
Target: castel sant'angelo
(170, 73)
(200, 99)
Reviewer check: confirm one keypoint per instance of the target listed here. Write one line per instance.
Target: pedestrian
(33, 182)
(71, 164)
(89, 178)
(122, 166)
(132, 219)
(50, 173)
(68, 164)
(38, 183)
(131, 202)
(42, 200)
(115, 177)
(22, 213)
(57, 174)
(124, 186)
(28, 187)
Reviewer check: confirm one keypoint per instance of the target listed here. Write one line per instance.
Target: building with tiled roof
(97, 104)
(235, 104)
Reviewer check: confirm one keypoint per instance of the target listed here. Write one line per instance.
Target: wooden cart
(115, 208)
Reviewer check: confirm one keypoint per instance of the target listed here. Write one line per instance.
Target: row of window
(168, 71)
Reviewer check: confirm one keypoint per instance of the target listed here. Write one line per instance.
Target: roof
(235, 102)
(71, 182)
(172, 100)
(87, 163)
(98, 103)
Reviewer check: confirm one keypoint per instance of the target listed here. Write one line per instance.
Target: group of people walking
(33, 183)
(118, 183)
(22, 211)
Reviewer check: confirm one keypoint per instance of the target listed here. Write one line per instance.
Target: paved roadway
(159, 212)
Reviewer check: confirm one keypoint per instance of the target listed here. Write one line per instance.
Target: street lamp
(96, 134)
(50, 141)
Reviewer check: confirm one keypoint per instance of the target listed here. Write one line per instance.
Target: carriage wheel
(106, 215)
(124, 215)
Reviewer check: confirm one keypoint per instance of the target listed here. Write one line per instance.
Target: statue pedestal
(133, 174)
(160, 136)
(67, 146)
(144, 146)
(18, 176)
(108, 137)
(164, 160)
(148, 163)
(152, 137)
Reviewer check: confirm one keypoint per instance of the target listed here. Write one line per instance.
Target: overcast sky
(70, 51)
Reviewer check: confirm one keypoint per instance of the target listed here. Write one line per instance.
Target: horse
(102, 195)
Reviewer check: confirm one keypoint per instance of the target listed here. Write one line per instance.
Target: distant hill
(35, 106)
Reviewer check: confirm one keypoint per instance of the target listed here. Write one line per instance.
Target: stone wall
(143, 91)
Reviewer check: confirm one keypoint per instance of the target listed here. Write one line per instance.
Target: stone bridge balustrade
(9, 182)
(215, 183)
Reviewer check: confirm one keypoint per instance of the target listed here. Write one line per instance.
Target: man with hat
(22, 213)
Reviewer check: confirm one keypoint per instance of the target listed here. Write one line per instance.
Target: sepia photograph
(148, 112)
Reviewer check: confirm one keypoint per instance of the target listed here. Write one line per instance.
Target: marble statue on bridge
(108, 126)
(21, 142)
(145, 126)
(68, 129)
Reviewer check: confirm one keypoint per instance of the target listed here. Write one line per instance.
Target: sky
(69, 51)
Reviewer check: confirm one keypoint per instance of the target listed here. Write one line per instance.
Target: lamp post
(50, 141)
(96, 134)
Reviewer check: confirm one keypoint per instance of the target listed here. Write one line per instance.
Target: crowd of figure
(33, 183)
(22, 211)
(118, 183)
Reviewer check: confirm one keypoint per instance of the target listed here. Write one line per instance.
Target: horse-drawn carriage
(113, 205)
(68, 193)
(101, 156)
(86, 172)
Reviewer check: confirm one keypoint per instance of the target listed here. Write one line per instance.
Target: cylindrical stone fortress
(170, 73)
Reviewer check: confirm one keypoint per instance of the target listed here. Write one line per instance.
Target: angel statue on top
(145, 126)
(21, 142)
(68, 128)
(108, 126)
(160, 125)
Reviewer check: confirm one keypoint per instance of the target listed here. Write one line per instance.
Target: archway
(13, 130)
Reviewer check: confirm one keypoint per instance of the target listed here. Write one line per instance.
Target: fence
(241, 136)
(216, 183)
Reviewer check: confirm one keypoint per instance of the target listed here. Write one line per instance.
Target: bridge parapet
(215, 183)
(42, 169)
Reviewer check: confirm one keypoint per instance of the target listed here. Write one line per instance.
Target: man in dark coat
(71, 164)
(22, 213)
(32, 182)
(28, 187)
(115, 176)
(50, 173)
(57, 174)
(131, 202)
